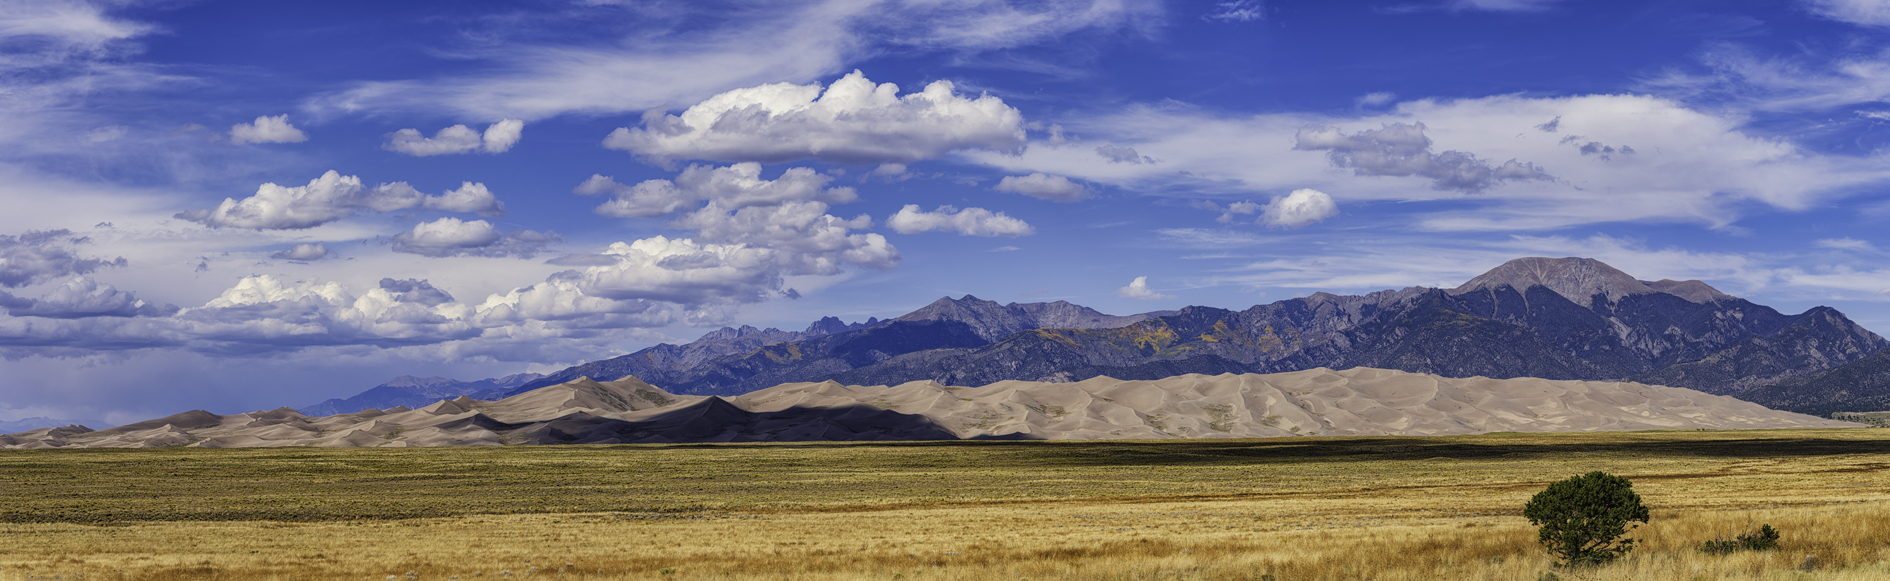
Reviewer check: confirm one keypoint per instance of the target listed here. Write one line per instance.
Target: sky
(231, 205)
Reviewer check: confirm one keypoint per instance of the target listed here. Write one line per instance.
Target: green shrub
(1764, 539)
(1583, 518)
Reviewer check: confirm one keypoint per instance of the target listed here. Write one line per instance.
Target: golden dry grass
(1337, 508)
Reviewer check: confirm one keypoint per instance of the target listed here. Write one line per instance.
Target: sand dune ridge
(1314, 402)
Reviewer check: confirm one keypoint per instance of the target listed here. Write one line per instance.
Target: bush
(1583, 518)
(1764, 539)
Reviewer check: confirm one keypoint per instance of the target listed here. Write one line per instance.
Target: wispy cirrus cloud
(1860, 12)
(1742, 78)
(1725, 168)
(666, 64)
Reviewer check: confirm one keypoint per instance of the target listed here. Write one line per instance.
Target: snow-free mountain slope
(1820, 339)
(1859, 386)
(993, 321)
(663, 362)
(945, 324)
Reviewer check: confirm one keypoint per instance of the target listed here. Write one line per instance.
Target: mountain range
(1551, 318)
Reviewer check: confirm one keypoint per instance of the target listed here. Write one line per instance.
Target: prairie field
(1387, 508)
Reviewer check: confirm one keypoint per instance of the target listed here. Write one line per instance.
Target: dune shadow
(715, 420)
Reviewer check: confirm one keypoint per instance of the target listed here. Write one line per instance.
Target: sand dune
(1322, 402)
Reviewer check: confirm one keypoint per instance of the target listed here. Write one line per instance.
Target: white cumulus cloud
(890, 172)
(1299, 208)
(682, 271)
(1138, 289)
(807, 238)
(332, 197)
(851, 121)
(750, 234)
(457, 139)
(1055, 188)
(325, 199)
(969, 222)
(42, 255)
(565, 303)
(453, 237)
(267, 130)
(264, 313)
(471, 198)
(83, 297)
(501, 136)
(736, 186)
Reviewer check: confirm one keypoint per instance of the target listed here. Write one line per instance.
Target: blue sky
(240, 205)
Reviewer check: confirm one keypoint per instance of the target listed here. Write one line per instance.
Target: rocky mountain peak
(993, 321)
(831, 325)
(945, 306)
(731, 333)
(1577, 279)
(986, 318)
(827, 326)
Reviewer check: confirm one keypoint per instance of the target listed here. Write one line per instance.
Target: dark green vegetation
(1763, 539)
(1881, 419)
(308, 484)
(1584, 518)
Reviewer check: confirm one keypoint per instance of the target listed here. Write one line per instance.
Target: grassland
(1291, 508)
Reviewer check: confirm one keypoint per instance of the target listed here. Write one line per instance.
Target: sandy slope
(1321, 401)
